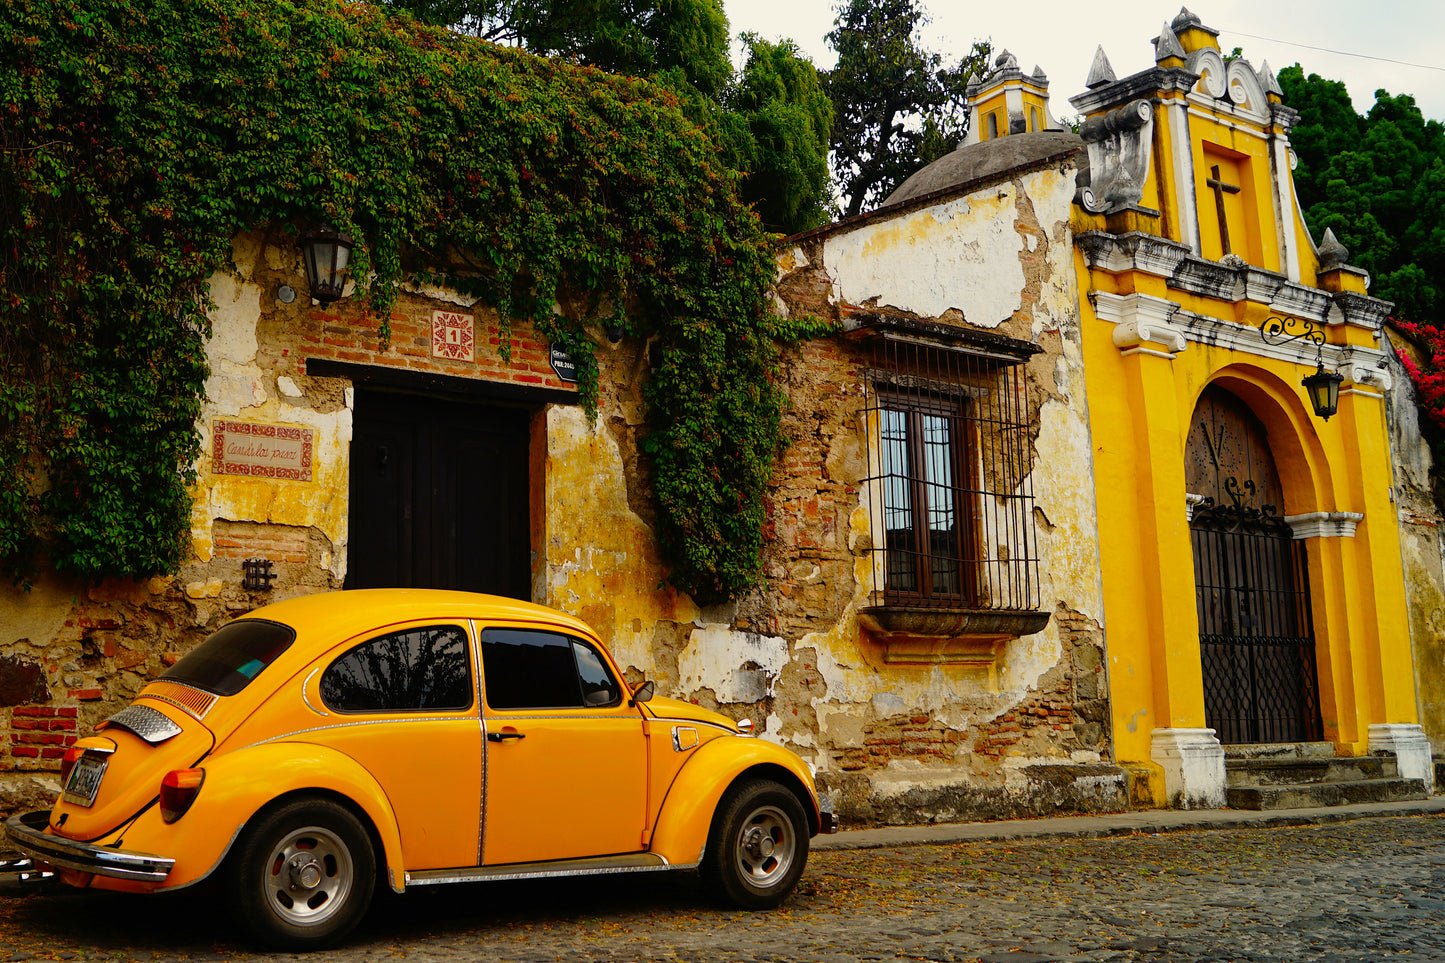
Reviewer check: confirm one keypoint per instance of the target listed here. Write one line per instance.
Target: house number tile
(453, 335)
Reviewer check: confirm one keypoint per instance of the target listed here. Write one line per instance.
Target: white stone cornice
(1363, 366)
(1324, 524)
(1141, 322)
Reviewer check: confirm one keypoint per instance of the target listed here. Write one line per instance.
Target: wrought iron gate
(1256, 637)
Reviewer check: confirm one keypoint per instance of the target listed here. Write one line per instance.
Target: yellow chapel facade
(1249, 546)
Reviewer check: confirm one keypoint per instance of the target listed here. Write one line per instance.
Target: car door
(403, 703)
(565, 753)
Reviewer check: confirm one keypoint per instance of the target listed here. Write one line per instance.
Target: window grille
(950, 484)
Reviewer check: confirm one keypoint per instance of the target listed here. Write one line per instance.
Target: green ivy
(138, 137)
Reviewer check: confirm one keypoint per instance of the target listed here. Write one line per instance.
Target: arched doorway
(1251, 582)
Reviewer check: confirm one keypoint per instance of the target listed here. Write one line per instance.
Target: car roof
(344, 614)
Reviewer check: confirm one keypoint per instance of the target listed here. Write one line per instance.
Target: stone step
(1324, 794)
(1241, 774)
(1277, 751)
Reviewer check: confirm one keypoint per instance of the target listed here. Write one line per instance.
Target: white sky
(1061, 36)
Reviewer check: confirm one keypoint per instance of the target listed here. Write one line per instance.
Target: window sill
(912, 634)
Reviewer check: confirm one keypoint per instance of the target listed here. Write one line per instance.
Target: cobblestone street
(1369, 889)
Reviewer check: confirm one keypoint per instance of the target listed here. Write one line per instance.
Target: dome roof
(974, 161)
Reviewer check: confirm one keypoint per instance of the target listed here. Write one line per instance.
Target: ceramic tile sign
(262, 451)
(453, 335)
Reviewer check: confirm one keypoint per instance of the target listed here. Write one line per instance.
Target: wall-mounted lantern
(327, 253)
(1323, 387)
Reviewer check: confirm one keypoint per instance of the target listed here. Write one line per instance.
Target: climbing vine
(137, 137)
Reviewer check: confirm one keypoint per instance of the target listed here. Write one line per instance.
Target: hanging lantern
(1323, 387)
(327, 253)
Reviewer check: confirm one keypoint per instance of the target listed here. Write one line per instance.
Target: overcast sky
(1061, 35)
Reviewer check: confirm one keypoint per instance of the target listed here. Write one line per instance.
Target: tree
(897, 105)
(777, 120)
(1377, 181)
(772, 122)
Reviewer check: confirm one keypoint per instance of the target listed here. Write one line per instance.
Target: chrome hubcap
(765, 847)
(308, 876)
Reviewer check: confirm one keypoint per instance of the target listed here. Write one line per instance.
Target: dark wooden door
(1251, 583)
(439, 496)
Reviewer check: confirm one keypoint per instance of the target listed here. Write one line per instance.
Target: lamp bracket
(1284, 330)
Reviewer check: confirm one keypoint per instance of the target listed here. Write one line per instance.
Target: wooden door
(439, 495)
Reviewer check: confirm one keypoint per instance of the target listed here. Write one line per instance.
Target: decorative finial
(1332, 253)
(1269, 81)
(1006, 61)
(1167, 45)
(1101, 72)
(1040, 77)
(1185, 20)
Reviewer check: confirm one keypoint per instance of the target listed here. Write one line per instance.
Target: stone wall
(1422, 542)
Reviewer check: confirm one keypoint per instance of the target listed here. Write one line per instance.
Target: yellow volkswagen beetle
(312, 747)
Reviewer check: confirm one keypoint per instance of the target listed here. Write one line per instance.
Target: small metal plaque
(563, 364)
(84, 781)
(262, 451)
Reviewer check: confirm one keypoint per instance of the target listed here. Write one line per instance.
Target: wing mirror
(642, 693)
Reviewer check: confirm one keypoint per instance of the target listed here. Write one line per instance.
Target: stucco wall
(891, 743)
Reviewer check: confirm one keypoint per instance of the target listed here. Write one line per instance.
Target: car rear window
(232, 656)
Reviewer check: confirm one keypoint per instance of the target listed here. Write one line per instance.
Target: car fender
(239, 784)
(685, 820)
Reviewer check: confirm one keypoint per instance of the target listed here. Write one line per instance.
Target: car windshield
(232, 656)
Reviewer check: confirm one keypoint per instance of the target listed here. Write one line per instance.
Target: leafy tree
(898, 106)
(1377, 182)
(773, 121)
(777, 122)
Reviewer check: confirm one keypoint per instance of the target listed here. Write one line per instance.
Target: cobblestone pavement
(1370, 889)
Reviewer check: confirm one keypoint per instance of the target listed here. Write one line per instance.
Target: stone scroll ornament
(1120, 144)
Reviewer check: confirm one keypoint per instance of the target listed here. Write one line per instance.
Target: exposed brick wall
(36, 736)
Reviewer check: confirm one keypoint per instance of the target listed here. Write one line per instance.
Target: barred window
(950, 474)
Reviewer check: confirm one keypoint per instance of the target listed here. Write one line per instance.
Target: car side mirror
(642, 693)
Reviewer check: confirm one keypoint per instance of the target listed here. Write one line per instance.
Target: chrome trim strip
(699, 722)
(27, 833)
(307, 699)
(347, 725)
(593, 866)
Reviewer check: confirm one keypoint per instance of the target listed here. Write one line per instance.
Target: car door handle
(499, 736)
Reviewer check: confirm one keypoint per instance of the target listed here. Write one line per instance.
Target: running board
(593, 866)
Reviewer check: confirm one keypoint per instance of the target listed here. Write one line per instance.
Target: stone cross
(1220, 189)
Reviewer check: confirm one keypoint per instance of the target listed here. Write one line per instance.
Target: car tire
(758, 845)
(303, 875)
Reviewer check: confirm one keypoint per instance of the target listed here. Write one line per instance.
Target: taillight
(67, 763)
(179, 789)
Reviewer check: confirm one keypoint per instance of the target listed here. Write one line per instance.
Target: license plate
(84, 780)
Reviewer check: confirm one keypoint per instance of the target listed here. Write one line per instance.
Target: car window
(416, 669)
(531, 669)
(232, 656)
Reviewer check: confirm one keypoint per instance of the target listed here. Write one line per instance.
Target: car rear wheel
(758, 845)
(303, 874)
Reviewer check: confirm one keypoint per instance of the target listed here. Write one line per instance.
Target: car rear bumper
(27, 833)
(827, 822)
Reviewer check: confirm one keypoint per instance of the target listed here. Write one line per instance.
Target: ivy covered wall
(138, 137)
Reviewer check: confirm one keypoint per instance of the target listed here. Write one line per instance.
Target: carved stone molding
(1193, 764)
(1141, 322)
(920, 635)
(1324, 524)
